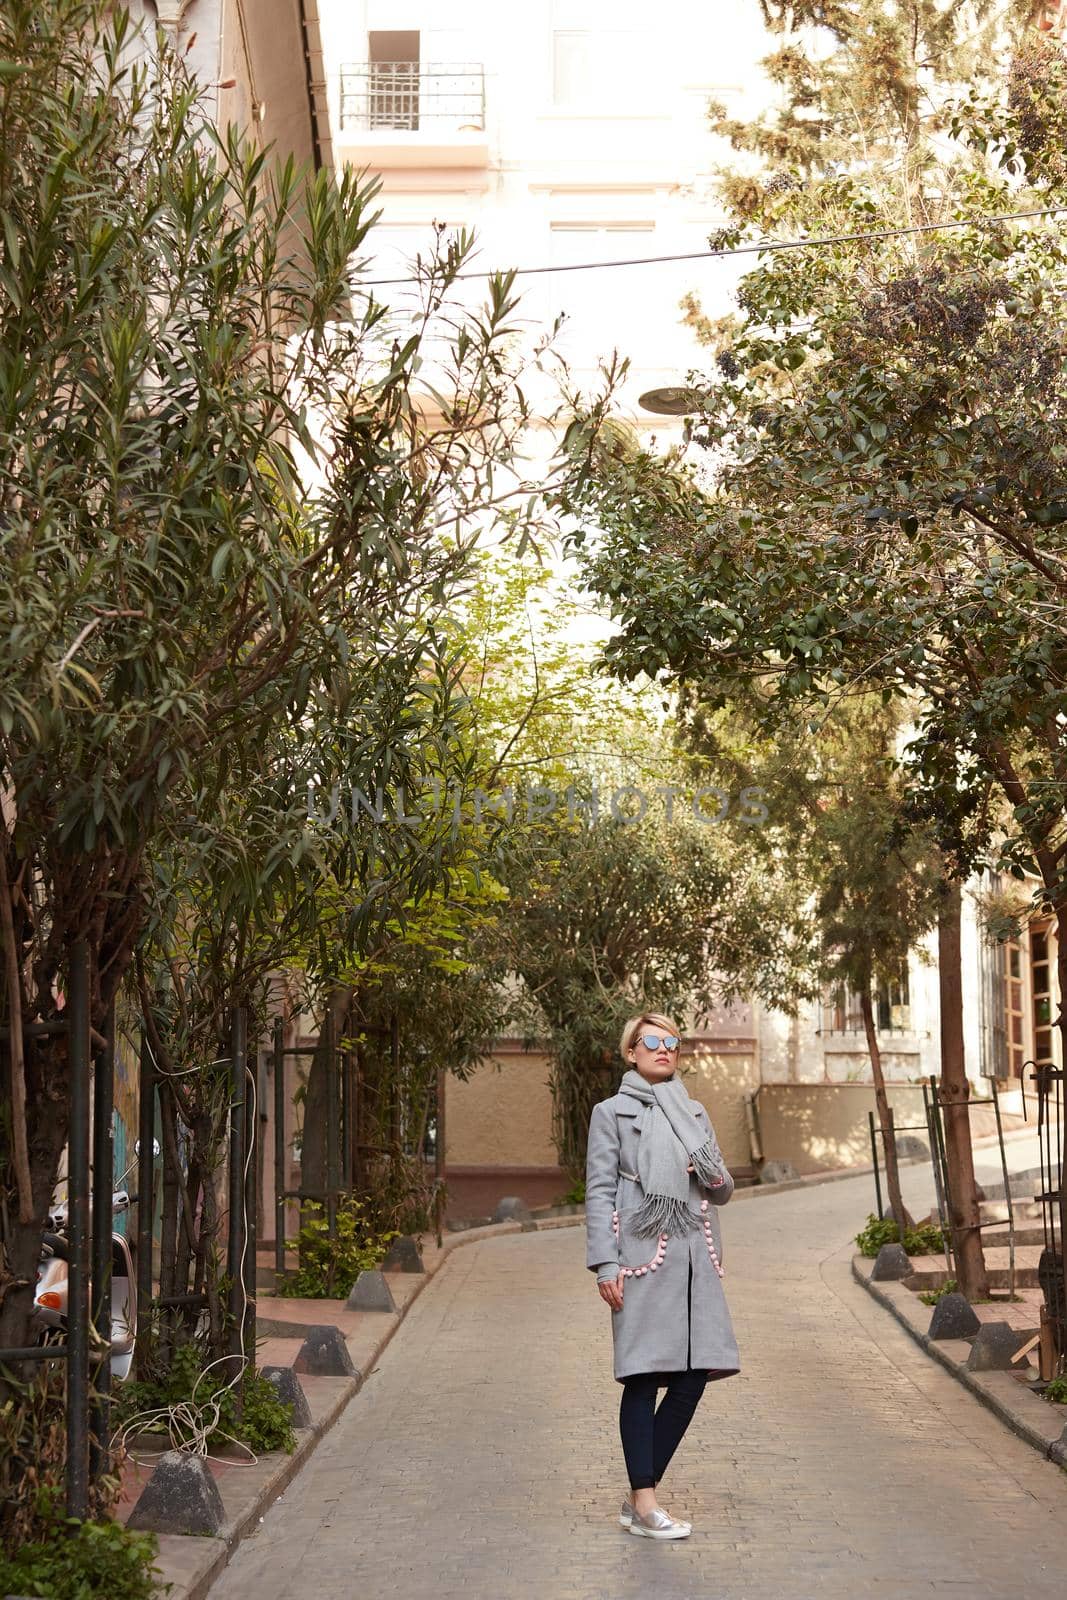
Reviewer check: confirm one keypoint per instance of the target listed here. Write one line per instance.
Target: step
(1024, 1185)
(1023, 1211)
(1026, 1233)
(999, 1277)
(930, 1272)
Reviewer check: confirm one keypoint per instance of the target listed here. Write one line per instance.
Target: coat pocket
(636, 1249)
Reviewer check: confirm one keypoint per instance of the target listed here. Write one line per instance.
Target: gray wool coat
(667, 1323)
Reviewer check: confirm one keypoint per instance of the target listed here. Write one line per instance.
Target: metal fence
(86, 1349)
(412, 96)
(89, 1263)
(346, 1145)
(1053, 1202)
(1050, 1268)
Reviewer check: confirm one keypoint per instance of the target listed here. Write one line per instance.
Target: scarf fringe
(705, 1166)
(659, 1213)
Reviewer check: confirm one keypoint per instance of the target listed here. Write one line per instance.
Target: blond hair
(657, 1019)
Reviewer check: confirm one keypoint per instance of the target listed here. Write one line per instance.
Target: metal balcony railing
(846, 1017)
(413, 96)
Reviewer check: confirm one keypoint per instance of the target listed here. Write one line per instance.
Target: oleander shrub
(330, 1266)
(73, 1560)
(191, 1392)
(925, 1240)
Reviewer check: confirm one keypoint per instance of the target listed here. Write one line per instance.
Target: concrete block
(778, 1172)
(291, 1392)
(403, 1255)
(324, 1354)
(370, 1292)
(891, 1264)
(994, 1345)
(512, 1208)
(953, 1318)
(887, 1216)
(181, 1496)
(910, 1148)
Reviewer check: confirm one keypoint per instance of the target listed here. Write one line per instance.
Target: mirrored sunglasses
(652, 1041)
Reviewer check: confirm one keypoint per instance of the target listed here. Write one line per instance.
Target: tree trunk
(962, 1198)
(881, 1100)
(168, 1228)
(1059, 905)
(209, 1228)
(359, 1119)
(48, 1109)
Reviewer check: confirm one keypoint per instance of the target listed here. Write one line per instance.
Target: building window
(592, 68)
(393, 87)
(1041, 979)
(1014, 1019)
(842, 1012)
(596, 311)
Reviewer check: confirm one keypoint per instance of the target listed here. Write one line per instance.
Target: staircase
(930, 1272)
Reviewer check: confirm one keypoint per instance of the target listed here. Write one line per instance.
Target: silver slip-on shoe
(657, 1524)
(626, 1511)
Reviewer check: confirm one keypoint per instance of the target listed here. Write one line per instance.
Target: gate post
(78, 1001)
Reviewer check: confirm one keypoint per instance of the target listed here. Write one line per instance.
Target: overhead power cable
(743, 249)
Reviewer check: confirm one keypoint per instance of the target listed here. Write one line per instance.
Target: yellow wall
(502, 1116)
(720, 1080)
(820, 1126)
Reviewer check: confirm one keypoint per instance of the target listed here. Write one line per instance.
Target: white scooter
(50, 1299)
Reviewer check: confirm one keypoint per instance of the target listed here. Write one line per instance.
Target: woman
(654, 1177)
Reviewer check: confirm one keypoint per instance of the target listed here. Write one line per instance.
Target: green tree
(610, 917)
(840, 812)
(858, 80)
(619, 898)
(176, 327)
(887, 505)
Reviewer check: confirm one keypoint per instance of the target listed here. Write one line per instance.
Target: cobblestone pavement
(482, 1457)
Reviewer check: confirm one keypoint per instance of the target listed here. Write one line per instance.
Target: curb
(1031, 1419)
(215, 1553)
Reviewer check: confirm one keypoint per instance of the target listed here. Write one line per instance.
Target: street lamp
(670, 402)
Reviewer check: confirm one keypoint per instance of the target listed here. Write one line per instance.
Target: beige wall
(260, 44)
(820, 1126)
(502, 1116)
(721, 1079)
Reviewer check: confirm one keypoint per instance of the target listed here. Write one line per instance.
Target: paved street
(482, 1458)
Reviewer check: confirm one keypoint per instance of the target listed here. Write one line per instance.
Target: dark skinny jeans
(651, 1435)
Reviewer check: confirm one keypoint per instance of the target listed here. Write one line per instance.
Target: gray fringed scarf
(671, 1137)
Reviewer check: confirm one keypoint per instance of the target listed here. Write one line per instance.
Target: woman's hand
(611, 1291)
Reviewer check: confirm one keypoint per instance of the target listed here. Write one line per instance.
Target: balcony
(413, 114)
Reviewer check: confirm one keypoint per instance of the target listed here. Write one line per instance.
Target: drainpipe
(316, 143)
(755, 1143)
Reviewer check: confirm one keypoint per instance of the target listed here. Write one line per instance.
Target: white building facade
(563, 132)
